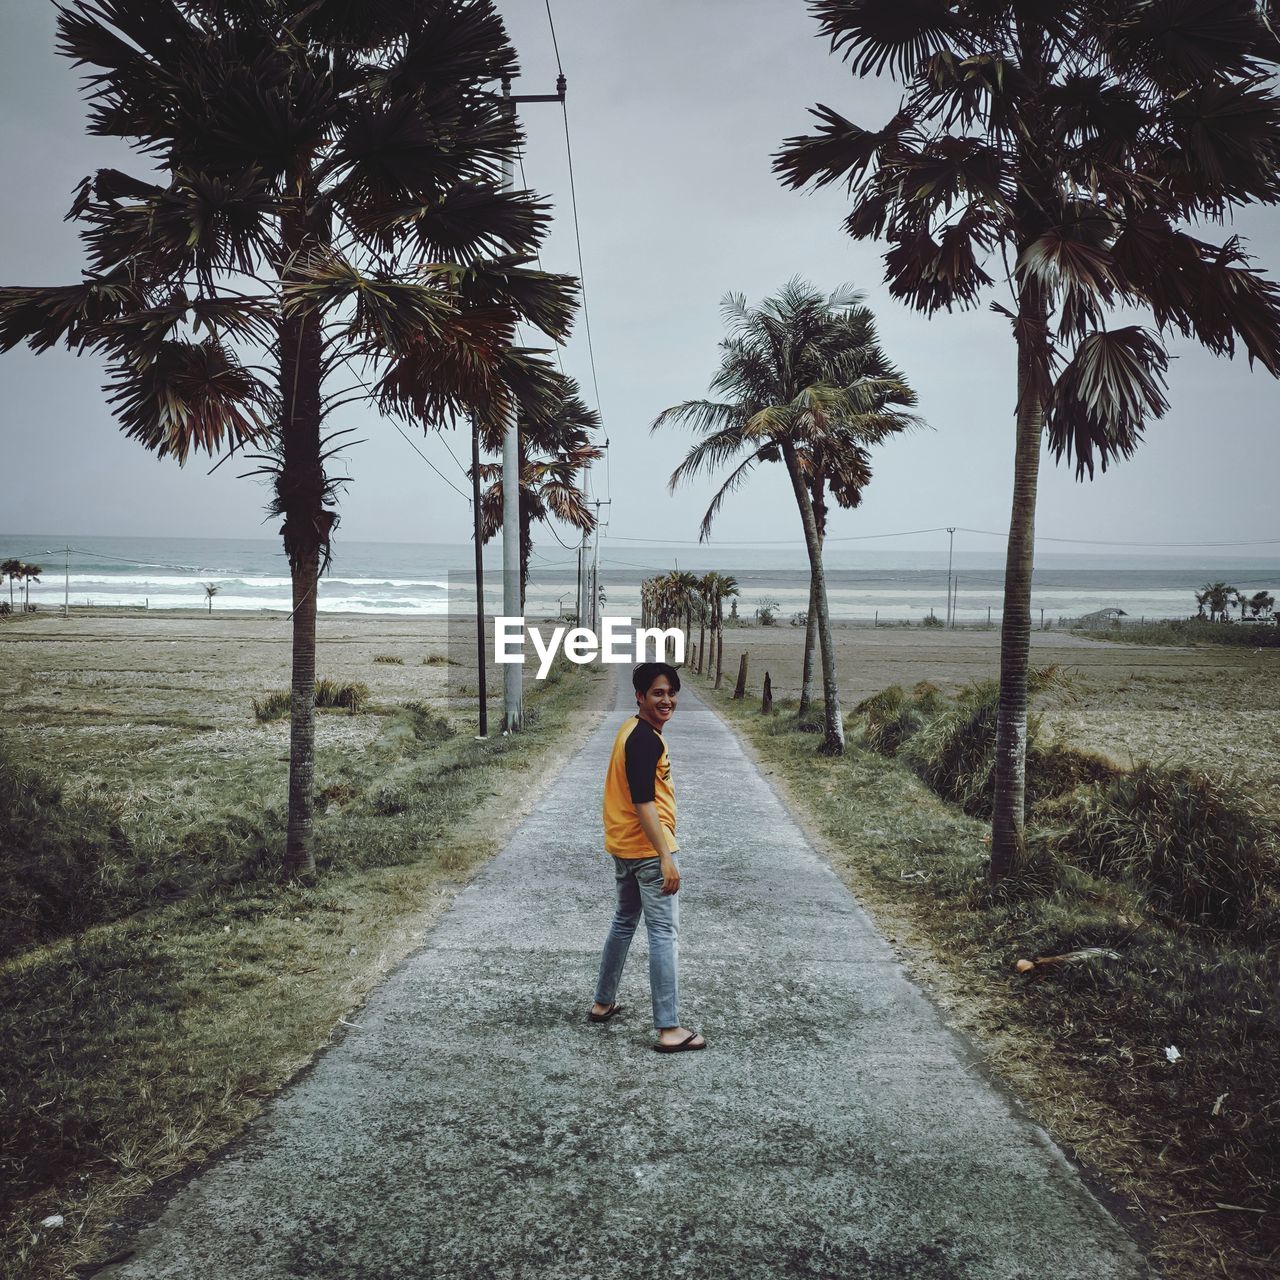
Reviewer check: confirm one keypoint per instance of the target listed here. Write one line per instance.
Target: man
(640, 834)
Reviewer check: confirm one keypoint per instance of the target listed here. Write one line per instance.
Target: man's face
(658, 705)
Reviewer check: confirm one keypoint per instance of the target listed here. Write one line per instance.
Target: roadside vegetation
(159, 979)
(1186, 631)
(1143, 1024)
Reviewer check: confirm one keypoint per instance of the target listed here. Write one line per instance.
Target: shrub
(53, 852)
(954, 749)
(932, 620)
(1199, 847)
(389, 659)
(352, 695)
(272, 706)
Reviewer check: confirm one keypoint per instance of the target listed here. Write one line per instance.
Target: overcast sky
(674, 110)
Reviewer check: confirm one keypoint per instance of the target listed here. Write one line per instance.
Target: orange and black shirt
(639, 771)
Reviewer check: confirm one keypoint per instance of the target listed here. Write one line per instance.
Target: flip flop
(685, 1046)
(604, 1017)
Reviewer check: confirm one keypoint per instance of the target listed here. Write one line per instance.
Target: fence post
(766, 701)
(740, 689)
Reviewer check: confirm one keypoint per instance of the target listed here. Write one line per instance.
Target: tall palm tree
(799, 386)
(1072, 143)
(726, 587)
(12, 569)
(706, 605)
(554, 446)
(30, 573)
(321, 219)
(1217, 595)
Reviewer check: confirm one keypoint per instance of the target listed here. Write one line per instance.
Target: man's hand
(670, 874)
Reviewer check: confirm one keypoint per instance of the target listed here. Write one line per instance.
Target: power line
(1112, 542)
(551, 22)
(392, 419)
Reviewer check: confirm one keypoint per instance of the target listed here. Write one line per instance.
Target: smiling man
(640, 834)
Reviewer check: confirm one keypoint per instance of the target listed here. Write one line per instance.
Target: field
(1215, 708)
(158, 980)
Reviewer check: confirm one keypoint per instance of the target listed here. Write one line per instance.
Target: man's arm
(652, 826)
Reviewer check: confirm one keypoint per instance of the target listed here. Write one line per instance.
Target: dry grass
(137, 1047)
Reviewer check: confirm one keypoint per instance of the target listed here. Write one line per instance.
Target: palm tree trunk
(299, 858)
(833, 728)
(702, 636)
(1008, 834)
(810, 638)
(719, 640)
(301, 491)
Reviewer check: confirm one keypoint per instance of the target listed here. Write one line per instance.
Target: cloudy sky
(674, 110)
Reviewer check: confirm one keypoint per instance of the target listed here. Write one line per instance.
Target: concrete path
(476, 1126)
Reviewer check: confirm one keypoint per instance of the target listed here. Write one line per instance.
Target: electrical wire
(391, 417)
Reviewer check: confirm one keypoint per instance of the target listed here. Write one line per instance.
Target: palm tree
(1261, 603)
(1217, 595)
(726, 588)
(211, 589)
(30, 573)
(1071, 144)
(801, 381)
(323, 186)
(12, 569)
(706, 597)
(553, 429)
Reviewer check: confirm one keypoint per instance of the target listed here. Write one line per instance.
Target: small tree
(211, 589)
(767, 610)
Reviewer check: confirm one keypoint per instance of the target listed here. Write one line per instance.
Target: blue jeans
(639, 882)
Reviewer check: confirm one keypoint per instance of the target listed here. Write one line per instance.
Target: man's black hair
(647, 673)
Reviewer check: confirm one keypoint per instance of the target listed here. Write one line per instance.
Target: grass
(389, 659)
(349, 695)
(137, 1047)
(1189, 631)
(1083, 1044)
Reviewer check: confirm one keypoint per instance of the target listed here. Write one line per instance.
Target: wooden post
(740, 689)
(766, 702)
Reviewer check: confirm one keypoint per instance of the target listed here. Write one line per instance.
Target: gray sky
(675, 109)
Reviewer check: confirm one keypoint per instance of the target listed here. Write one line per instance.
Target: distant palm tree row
(1218, 598)
(16, 571)
(679, 598)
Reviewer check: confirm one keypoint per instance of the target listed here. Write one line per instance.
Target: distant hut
(1101, 617)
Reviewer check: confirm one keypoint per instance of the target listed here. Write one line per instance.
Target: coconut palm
(1218, 596)
(801, 383)
(30, 573)
(726, 587)
(554, 446)
(211, 589)
(1261, 603)
(322, 187)
(1072, 143)
(12, 569)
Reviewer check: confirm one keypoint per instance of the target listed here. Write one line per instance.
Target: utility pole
(951, 538)
(594, 575)
(481, 658)
(513, 672)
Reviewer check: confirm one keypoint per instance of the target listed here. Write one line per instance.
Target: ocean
(430, 579)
